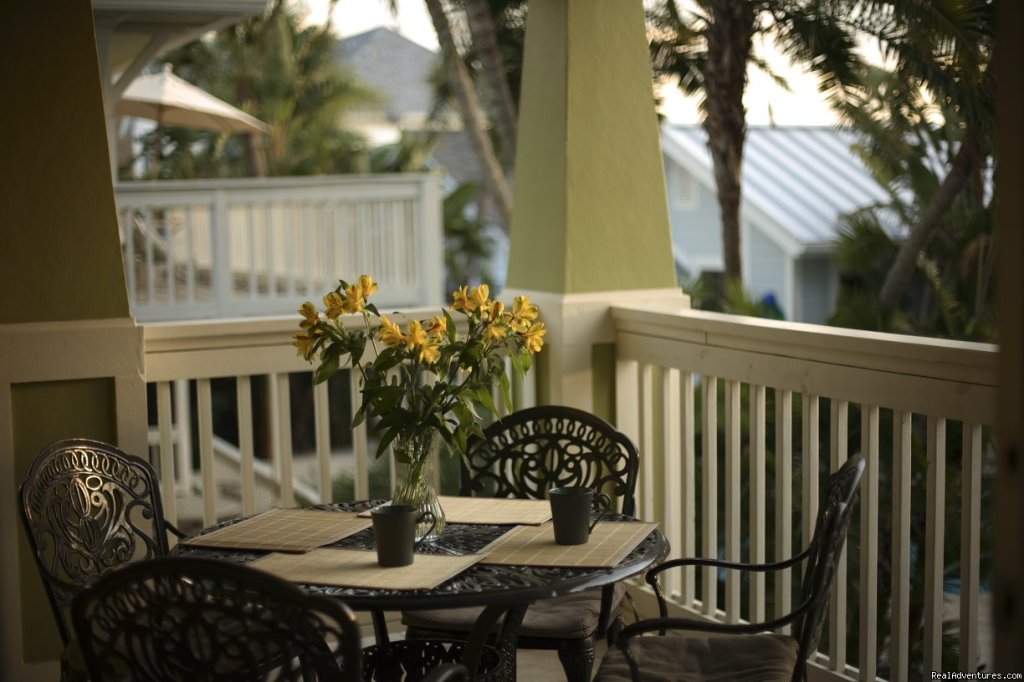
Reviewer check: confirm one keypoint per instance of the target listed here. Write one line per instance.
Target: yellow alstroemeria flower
(438, 326)
(461, 300)
(480, 295)
(309, 314)
(390, 333)
(523, 314)
(430, 353)
(354, 301)
(534, 337)
(334, 305)
(304, 344)
(368, 286)
(416, 336)
(496, 332)
(493, 310)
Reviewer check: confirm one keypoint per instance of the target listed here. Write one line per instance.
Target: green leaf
(506, 392)
(453, 335)
(325, 371)
(385, 440)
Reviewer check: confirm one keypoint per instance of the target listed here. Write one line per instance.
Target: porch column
(590, 225)
(71, 361)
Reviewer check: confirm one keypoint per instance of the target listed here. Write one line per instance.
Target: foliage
(908, 140)
(284, 74)
(428, 377)
(468, 246)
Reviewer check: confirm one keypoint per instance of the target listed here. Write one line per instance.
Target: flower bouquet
(425, 381)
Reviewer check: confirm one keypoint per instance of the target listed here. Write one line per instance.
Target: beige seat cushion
(728, 658)
(571, 616)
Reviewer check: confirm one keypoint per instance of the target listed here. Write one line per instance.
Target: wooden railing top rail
(944, 359)
(950, 379)
(162, 187)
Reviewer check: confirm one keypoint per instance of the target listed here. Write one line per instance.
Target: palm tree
(284, 74)
(708, 51)
(473, 119)
(487, 49)
(941, 51)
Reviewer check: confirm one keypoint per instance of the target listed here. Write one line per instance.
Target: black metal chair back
(830, 529)
(176, 619)
(533, 450)
(88, 507)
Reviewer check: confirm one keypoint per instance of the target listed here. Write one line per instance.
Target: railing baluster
(970, 546)
(309, 241)
(709, 416)
(645, 492)
(183, 434)
(839, 430)
(733, 523)
(251, 223)
(165, 424)
(190, 261)
(169, 259)
(269, 250)
(284, 444)
(934, 544)
(150, 274)
(899, 649)
(810, 466)
(689, 490)
(128, 223)
(868, 660)
(672, 480)
(246, 444)
(783, 499)
(758, 500)
(290, 248)
(204, 408)
(322, 426)
(360, 444)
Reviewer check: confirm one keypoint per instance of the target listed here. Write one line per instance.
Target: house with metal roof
(797, 181)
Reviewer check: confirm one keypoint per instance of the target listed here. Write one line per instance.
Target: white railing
(250, 392)
(687, 380)
(229, 248)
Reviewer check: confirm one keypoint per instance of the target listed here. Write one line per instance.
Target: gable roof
(395, 66)
(796, 180)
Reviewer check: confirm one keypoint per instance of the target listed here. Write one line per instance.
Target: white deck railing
(782, 401)
(687, 379)
(229, 248)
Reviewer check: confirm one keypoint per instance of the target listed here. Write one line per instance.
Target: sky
(765, 100)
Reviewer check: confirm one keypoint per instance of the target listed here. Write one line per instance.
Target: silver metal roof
(796, 180)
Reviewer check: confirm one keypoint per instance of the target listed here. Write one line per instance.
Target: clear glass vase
(415, 459)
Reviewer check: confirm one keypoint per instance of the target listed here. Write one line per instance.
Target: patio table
(505, 590)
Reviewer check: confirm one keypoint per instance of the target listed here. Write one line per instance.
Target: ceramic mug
(395, 529)
(570, 513)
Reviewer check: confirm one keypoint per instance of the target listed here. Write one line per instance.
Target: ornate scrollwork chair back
(89, 507)
(524, 455)
(177, 619)
(533, 450)
(762, 655)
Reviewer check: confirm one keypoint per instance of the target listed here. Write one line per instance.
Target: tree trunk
(472, 114)
(485, 44)
(921, 231)
(730, 38)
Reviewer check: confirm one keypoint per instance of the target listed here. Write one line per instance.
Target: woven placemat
(284, 530)
(609, 544)
(493, 511)
(355, 568)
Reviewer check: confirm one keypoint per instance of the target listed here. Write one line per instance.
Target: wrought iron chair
(175, 619)
(88, 507)
(747, 651)
(524, 455)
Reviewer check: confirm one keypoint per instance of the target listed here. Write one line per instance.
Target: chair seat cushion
(721, 658)
(571, 616)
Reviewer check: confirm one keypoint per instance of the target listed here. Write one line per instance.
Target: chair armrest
(665, 623)
(449, 672)
(171, 528)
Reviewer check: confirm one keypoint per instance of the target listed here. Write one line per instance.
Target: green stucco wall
(59, 253)
(590, 210)
(80, 408)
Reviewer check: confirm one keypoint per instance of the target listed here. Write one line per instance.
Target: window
(684, 188)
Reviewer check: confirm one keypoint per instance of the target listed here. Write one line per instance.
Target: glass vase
(415, 459)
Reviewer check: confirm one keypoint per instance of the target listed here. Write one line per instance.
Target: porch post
(72, 357)
(590, 224)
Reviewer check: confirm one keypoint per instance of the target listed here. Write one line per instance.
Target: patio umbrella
(171, 101)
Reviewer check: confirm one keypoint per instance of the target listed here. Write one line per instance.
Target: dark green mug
(570, 513)
(395, 529)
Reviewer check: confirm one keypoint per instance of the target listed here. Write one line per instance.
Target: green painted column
(62, 281)
(590, 209)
